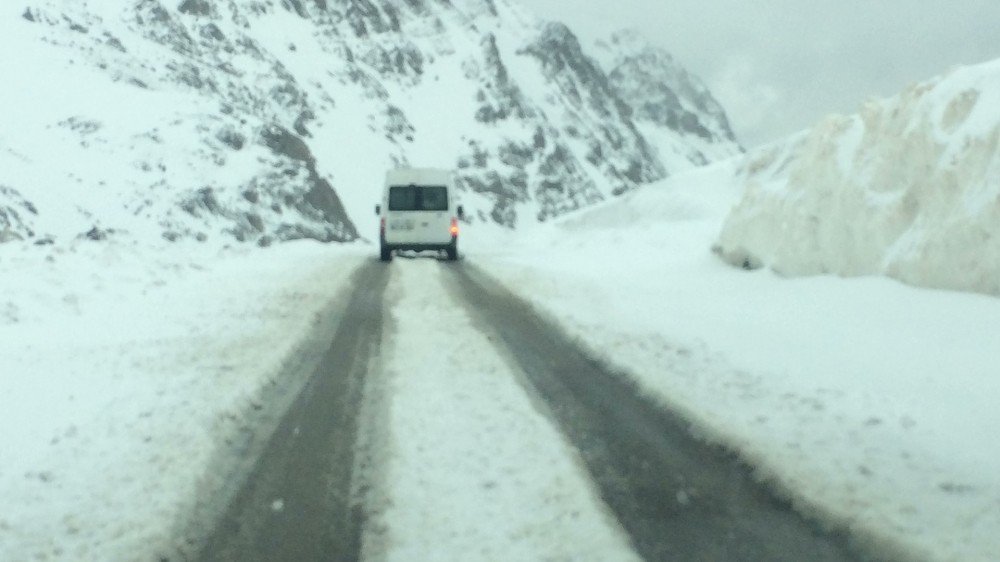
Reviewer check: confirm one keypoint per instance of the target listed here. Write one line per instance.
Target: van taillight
(381, 226)
(454, 226)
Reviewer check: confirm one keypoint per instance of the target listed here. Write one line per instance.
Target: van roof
(422, 176)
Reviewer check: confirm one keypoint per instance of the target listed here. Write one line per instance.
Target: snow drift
(909, 188)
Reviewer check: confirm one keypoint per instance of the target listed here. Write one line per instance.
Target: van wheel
(452, 251)
(385, 254)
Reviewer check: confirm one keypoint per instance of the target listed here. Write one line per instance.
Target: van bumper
(410, 246)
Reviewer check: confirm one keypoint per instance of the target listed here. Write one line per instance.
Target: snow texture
(135, 380)
(136, 372)
(264, 121)
(470, 469)
(865, 402)
(909, 188)
(136, 375)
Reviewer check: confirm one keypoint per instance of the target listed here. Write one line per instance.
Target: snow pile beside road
(908, 188)
(864, 401)
(130, 375)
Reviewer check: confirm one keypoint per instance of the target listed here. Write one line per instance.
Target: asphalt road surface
(296, 504)
(676, 497)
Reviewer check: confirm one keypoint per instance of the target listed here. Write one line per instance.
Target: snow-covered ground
(130, 374)
(125, 370)
(467, 467)
(870, 403)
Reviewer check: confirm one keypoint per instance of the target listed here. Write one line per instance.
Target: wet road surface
(675, 496)
(296, 504)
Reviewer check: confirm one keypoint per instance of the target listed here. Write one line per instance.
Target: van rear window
(418, 198)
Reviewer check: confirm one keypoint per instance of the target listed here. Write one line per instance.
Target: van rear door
(418, 214)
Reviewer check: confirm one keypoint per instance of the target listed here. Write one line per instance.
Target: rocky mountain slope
(674, 109)
(909, 188)
(264, 120)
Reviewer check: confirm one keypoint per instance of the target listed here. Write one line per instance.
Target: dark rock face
(614, 144)
(285, 130)
(16, 214)
(499, 96)
(542, 167)
(319, 202)
(160, 26)
(576, 75)
(292, 202)
(195, 7)
(366, 19)
(663, 93)
(98, 234)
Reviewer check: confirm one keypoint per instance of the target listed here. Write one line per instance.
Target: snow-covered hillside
(909, 188)
(262, 120)
(672, 108)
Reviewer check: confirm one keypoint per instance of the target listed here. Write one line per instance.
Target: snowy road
(486, 434)
(296, 503)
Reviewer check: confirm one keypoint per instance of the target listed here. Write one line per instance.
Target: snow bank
(132, 379)
(909, 188)
(862, 400)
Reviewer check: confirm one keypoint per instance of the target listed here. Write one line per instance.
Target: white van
(418, 212)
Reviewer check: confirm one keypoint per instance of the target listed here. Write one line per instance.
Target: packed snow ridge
(265, 121)
(909, 188)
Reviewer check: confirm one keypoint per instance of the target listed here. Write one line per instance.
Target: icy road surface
(485, 434)
(137, 384)
(467, 467)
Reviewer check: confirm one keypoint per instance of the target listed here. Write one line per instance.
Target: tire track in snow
(469, 470)
(678, 498)
(297, 502)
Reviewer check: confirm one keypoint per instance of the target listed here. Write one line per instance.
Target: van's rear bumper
(419, 247)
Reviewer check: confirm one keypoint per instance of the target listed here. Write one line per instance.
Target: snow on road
(873, 400)
(472, 470)
(124, 370)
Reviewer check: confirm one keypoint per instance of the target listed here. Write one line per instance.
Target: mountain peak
(664, 93)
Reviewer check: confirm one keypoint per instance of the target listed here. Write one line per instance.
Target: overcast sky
(778, 66)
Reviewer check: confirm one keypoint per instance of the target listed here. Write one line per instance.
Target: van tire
(385, 254)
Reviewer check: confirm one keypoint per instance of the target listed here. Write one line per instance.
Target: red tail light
(381, 227)
(454, 226)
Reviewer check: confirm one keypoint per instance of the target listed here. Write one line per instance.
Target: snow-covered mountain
(265, 120)
(909, 188)
(673, 108)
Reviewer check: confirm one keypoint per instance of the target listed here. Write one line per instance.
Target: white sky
(777, 66)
